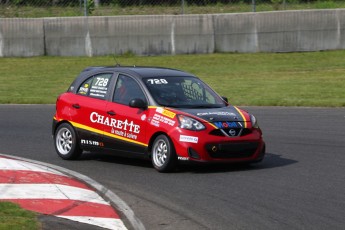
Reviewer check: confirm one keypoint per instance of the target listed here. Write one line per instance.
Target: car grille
(230, 132)
(232, 150)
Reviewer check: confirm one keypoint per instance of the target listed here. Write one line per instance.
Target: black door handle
(77, 106)
(111, 113)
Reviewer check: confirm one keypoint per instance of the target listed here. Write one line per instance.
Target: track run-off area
(299, 185)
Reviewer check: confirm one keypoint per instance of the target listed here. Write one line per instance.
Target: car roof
(140, 71)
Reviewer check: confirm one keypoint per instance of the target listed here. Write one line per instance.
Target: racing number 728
(102, 81)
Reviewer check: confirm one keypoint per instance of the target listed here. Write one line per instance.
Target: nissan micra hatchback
(163, 114)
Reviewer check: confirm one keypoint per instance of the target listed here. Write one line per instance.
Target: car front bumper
(210, 148)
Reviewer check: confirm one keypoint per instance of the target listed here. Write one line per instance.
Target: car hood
(229, 113)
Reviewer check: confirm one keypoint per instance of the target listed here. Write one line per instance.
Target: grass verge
(22, 11)
(263, 79)
(13, 217)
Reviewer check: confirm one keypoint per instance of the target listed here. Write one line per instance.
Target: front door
(127, 132)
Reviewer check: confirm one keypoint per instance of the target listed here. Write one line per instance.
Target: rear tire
(66, 142)
(163, 154)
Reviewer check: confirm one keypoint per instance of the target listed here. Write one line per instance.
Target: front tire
(66, 142)
(163, 154)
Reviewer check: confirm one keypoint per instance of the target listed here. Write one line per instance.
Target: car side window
(127, 89)
(96, 86)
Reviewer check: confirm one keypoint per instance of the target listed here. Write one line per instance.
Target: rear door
(88, 109)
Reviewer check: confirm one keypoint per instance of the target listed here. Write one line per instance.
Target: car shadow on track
(110, 158)
(271, 160)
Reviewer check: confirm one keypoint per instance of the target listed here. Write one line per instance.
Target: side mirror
(138, 103)
(225, 99)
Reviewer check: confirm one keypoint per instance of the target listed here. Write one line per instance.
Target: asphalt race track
(300, 184)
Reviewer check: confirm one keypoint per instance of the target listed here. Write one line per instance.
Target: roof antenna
(117, 64)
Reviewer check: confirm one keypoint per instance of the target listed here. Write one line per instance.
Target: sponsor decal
(226, 124)
(183, 158)
(217, 113)
(155, 123)
(165, 112)
(123, 134)
(232, 132)
(161, 119)
(143, 117)
(93, 90)
(99, 88)
(117, 125)
(84, 89)
(88, 128)
(91, 142)
(189, 139)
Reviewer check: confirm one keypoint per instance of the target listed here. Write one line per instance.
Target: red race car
(163, 114)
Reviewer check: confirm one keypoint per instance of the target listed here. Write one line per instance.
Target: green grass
(13, 217)
(9, 11)
(263, 79)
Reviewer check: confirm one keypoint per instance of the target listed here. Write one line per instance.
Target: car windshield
(183, 92)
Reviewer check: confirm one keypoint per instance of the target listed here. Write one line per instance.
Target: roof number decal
(157, 81)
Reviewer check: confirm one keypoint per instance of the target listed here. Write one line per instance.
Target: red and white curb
(45, 190)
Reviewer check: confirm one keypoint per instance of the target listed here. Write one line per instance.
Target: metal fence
(61, 8)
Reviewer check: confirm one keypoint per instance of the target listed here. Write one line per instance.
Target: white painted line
(9, 164)
(108, 223)
(48, 191)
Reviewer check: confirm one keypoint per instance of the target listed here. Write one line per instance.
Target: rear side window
(96, 86)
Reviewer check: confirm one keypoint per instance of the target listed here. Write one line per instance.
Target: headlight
(190, 123)
(254, 122)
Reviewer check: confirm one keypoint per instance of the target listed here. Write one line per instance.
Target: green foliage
(292, 1)
(127, 3)
(326, 4)
(35, 2)
(276, 4)
(90, 6)
(62, 8)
